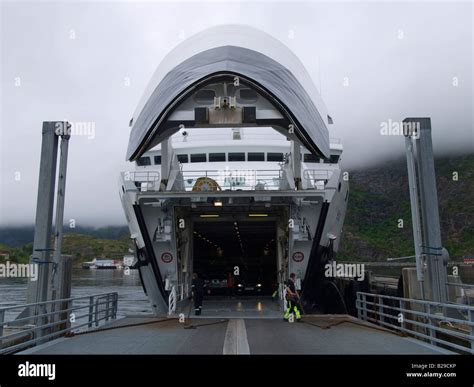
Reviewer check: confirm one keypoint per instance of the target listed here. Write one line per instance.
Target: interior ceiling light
(257, 215)
(217, 203)
(209, 216)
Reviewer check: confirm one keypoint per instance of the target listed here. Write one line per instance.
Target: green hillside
(379, 197)
(81, 247)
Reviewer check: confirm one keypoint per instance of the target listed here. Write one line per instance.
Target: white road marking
(235, 342)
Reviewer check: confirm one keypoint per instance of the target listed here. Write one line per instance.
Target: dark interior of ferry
(236, 258)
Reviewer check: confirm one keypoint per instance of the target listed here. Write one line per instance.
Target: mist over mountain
(378, 198)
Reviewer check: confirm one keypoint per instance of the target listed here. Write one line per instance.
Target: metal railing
(317, 174)
(45, 323)
(180, 293)
(228, 179)
(427, 320)
(385, 282)
(463, 293)
(282, 290)
(176, 295)
(245, 180)
(172, 298)
(461, 285)
(317, 178)
(144, 180)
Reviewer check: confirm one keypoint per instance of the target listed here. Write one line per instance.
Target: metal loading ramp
(317, 335)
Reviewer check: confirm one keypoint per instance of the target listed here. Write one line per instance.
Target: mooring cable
(71, 334)
(194, 326)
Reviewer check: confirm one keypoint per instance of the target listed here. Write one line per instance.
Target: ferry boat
(234, 173)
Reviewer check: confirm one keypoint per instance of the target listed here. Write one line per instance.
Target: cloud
(90, 62)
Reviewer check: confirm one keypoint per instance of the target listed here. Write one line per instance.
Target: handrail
(52, 301)
(268, 179)
(317, 174)
(142, 176)
(239, 179)
(54, 312)
(48, 324)
(432, 303)
(143, 180)
(180, 295)
(401, 315)
(282, 291)
(470, 286)
(172, 301)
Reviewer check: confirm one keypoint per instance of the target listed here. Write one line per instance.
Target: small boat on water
(88, 265)
(105, 264)
(100, 264)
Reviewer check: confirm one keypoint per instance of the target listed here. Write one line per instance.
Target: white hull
(154, 221)
(235, 170)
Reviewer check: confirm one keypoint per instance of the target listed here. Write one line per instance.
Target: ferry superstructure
(234, 172)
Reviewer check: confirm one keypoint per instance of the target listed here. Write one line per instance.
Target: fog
(89, 62)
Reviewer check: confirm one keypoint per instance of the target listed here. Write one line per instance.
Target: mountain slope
(379, 198)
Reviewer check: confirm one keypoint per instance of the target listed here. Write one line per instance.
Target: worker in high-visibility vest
(292, 299)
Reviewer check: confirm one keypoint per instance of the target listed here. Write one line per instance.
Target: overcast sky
(91, 61)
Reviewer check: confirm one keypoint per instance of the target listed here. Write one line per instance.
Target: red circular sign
(298, 256)
(166, 257)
